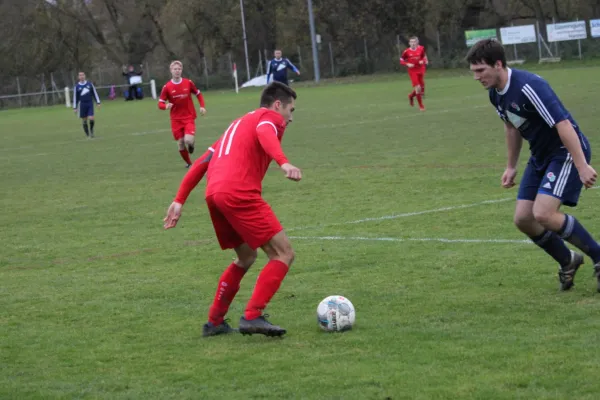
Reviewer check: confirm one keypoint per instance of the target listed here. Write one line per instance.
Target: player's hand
(409, 65)
(508, 178)
(202, 110)
(298, 72)
(421, 62)
(99, 105)
(173, 215)
(291, 172)
(169, 106)
(588, 175)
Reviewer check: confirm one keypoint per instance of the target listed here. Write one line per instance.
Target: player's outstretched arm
(189, 182)
(292, 66)
(199, 96)
(291, 172)
(173, 215)
(551, 110)
(75, 100)
(96, 97)
(570, 139)
(514, 142)
(162, 99)
(267, 137)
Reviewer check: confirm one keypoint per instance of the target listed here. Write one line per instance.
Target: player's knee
(523, 221)
(280, 248)
(246, 256)
(247, 260)
(189, 140)
(181, 144)
(288, 256)
(543, 216)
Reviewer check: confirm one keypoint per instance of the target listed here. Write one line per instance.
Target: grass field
(400, 211)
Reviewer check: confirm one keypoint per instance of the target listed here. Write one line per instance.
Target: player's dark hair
(487, 51)
(277, 91)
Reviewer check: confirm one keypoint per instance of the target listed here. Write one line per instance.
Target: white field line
(405, 215)
(403, 240)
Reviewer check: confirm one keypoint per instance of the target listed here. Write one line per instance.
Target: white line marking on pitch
(394, 239)
(404, 215)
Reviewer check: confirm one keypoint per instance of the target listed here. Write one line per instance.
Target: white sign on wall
(518, 34)
(566, 31)
(595, 28)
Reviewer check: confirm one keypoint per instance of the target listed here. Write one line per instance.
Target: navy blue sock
(552, 244)
(85, 128)
(573, 232)
(92, 123)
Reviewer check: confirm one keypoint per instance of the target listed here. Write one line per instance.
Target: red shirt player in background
(176, 96)
(243, 221)
(415, 59)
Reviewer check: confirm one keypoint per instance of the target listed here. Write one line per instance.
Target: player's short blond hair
(414, 37)
(176, 62)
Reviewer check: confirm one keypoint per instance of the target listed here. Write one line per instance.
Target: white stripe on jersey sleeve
(538, 104)
(211, 149)
(270, 123)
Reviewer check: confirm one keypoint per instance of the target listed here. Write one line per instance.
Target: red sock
(229, 284)
(412, 94)
(268, 283)
(186, 156)
(420, 100)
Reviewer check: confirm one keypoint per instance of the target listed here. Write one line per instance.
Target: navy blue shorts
(86, 110)
(559, 179)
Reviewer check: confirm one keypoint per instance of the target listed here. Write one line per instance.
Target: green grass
(98, 302)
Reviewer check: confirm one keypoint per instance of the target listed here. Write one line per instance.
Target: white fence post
(153, 88)
(67, 97)
(19, 91)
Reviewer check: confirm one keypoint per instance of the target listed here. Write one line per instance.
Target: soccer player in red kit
(415, 59)
(243, 221)
(176, 96)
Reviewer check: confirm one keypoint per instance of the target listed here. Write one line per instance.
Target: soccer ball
(336, 314)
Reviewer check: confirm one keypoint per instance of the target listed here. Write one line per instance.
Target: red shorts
(417, 77)
(182, 127)
(237, 221)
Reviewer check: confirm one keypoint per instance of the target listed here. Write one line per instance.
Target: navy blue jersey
(530, 105)
(278, 68)
(84, 92)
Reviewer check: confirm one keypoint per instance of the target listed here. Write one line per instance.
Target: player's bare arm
(570, 139)
(514, 142)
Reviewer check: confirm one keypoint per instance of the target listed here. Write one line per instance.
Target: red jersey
(243, 153)
(180, 95)
(410, 56)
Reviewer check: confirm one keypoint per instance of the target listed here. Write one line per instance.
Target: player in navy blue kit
(84, 94)
(278, 68)
(559, 164)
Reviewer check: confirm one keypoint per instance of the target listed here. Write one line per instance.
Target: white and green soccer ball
(336, 314)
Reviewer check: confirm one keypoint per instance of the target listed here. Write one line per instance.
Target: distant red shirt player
(176, 96)
(415, 59)
(242, 219)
